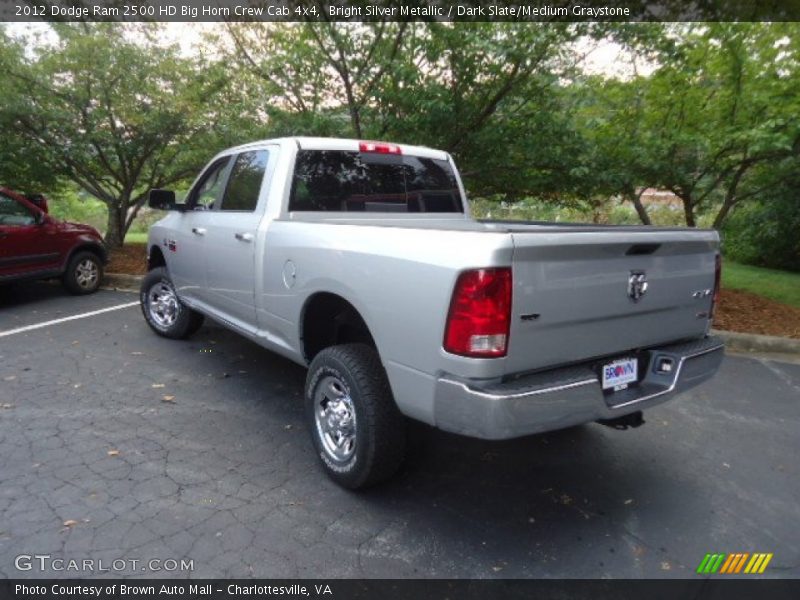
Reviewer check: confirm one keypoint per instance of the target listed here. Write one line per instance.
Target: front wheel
(357, 430)
(84, 273)
(163, 310)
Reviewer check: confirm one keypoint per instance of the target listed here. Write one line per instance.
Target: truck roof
(344, 144)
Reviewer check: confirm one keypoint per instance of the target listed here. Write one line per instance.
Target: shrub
(766, 233)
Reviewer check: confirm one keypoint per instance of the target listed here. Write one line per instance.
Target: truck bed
(571, 300)
(458, 222)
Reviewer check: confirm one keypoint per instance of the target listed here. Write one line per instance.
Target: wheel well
(93, 248)
(328, 320)
(155, 258)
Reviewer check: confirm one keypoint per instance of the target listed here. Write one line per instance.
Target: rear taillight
(480, 314)
(717, 286)
(379, 148)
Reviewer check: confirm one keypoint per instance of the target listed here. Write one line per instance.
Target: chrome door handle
(198, 230)
(244, 237)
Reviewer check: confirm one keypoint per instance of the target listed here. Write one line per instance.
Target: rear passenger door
(231, 241)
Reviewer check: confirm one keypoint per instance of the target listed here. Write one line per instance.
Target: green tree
(314, 70)
(489, 93)
(718, 108)
(765, 232)
(613, 160)
(483, 91)
(23, 166)
(109, 113)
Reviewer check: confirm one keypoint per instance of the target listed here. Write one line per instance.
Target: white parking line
(777, 370)
(65, 319)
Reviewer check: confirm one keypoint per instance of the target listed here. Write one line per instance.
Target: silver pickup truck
(360, 261)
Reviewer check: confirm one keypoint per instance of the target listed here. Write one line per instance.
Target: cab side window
(209, 189)
(244, 183)
(15, 214)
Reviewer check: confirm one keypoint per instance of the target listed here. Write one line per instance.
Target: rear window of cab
(342, 181)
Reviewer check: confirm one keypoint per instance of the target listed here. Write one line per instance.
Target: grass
(781, 286)
(136, 238)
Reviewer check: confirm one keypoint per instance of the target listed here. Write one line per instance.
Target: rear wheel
(357, 430)
(163, 310)
(84, 273)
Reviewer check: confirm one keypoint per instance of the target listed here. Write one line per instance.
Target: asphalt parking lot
(118, 444)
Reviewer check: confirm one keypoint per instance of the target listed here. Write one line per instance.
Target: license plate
(618, 374)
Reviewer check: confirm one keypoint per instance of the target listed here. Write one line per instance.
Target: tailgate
(572, 300)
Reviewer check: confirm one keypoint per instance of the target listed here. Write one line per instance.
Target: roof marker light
(379, 148)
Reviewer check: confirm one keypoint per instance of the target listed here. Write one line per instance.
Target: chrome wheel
(163, 305)
(335, 417)
(86, 274)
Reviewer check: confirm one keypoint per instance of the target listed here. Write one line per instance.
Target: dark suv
(34, 245)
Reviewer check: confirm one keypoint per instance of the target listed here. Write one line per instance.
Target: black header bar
(585, 11)
(390, 589)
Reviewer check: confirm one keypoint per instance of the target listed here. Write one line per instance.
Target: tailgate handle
(640, 249)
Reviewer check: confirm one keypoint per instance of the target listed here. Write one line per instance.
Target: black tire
(177, 321)
(379, 436)
(84, 273)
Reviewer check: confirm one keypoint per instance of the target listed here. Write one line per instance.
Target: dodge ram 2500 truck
(360, 261)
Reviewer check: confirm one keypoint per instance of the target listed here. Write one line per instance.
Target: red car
(34, 245)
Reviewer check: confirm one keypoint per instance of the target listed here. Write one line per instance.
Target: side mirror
(39, 201)
(163, 200)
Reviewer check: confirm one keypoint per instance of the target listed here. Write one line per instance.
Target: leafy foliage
(484, 91)
(110, 115)
(111, 110)
(720, 107)
(767, 232)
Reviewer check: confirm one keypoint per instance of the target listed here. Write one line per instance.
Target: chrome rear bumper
(568, 396)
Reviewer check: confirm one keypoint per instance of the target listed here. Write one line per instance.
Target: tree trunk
(355, 120)
(136, 206)
(352, 105)
(688, 212)
(730, 195)
(726, 207)
(636, 200)
(115, 229)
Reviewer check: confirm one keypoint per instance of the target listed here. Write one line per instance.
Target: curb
(119, 281)
(751, 342)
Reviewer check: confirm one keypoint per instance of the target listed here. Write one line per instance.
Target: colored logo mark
(730, 564)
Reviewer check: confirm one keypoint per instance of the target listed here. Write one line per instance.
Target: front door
(186, 251)
(231, 241)
(28, 243)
